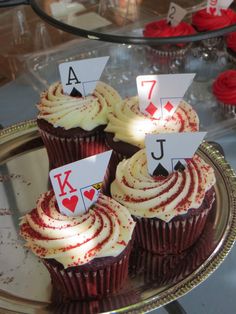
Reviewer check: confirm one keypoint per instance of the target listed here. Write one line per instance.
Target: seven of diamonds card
(160, 95)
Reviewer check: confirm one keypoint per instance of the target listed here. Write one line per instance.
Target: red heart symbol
(70, 203)
(89, 194)
(212, 10)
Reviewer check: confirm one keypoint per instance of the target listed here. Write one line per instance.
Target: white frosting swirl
(161, 197)
(130, 125)
(104, 230)
(69, 112)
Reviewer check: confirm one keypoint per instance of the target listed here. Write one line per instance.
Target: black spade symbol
(160, 171)
(179, 167)
(75, 93)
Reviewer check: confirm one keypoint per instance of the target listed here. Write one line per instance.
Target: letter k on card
(77, 185)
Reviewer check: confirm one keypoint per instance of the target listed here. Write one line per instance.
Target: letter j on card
(160, 95)
(77, 185)
(168, 152)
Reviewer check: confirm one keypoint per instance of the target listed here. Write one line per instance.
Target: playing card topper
(175, 14)
(160, 95)
(214, 6)
(79, 78)
(77, 185)
(167, 152)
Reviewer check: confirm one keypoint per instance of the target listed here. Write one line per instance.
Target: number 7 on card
(160, 95)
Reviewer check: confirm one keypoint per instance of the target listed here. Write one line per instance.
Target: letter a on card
(77, 185)
(79, 78)
(160, 95)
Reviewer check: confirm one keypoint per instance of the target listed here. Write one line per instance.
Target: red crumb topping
(28, 231)
(169, 200)
(122, 242)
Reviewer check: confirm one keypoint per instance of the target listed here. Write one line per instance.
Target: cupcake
(166, 55)
(204, 21)
(127, 125)
(231, 46)
(163, 29)
(224, 89)
(86, 256)
(72, 127)
(170, 212)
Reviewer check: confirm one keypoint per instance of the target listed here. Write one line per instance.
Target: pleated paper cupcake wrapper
(159, 237)
(65, 150)
(87, 285)
(228, 109)
(168, 61)
(174, 53)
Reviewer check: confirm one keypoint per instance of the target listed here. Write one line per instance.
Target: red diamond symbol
(168, 106)
(151, 109)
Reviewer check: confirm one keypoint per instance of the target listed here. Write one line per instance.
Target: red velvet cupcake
(204, 21)
(224, 89)
(170, 212)
(127, 127)
(86, 256)
(72, 127)
(163, 29)
(168, 57)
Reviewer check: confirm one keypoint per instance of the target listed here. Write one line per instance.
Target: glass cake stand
(153, 280)
(118, 21)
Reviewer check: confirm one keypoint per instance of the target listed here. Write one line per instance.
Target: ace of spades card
(160, 95)
(79, 78)
(167, 152)
(77, 185)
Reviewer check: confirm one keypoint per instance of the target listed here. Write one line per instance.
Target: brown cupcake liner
(75, 283)
(169, 60)
(227, 109)
(172, 237)
(65, 150)
(176, 52)
(162, 269)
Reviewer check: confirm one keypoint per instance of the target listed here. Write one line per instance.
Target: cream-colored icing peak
(69, 112)
(130, 125)
(161, 197)
(105, 230)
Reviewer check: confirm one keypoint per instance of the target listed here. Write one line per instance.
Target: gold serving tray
(153, 280)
